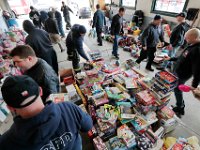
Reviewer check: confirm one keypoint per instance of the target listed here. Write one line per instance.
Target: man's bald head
(192, 36)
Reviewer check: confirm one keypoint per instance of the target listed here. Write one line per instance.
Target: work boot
(150, 69)
(179, 111)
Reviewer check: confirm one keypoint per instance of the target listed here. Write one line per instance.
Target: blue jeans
(171, 54)
(60, 28)
(115, 45)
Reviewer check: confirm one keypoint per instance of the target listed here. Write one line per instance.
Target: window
(107, 1)
(129, 3)
(169, 7)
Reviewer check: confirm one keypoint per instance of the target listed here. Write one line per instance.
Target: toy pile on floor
(128, 108)
(129, 41)
(10, 39)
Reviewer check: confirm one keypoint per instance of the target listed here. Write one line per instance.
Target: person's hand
(144, 48)
(167, 58)
(196, 93)
(112, 36)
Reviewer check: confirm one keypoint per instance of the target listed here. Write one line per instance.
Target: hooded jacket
(56, 127)
(74, 41)
(40, 42)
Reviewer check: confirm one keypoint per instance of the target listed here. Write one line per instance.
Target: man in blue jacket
(149, 39)
(74, 43)
(99, 21)
(37, 126)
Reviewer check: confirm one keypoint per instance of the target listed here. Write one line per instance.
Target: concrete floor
(189, 124)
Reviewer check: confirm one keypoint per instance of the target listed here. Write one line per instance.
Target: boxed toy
(166, 77)
(95, 55)
(126, 112)
(99, 144)
(127, 135)
(166, 113)
(145, 97)
(144, 143)
(139, 123)
(169, 125)
(58, 98)
(116, 143)
(131, 83)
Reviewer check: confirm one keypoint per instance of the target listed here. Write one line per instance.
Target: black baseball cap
(182, 14)
(17, 89)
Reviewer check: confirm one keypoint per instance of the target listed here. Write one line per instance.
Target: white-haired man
(187, 66)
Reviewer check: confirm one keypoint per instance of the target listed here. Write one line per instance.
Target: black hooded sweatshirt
(40, 42)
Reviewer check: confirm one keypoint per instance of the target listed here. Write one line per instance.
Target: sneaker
(150, 69)
(178, 110)
(100, 44)
(115, 56)
(160, 68)
(69, 58)
(62, 50)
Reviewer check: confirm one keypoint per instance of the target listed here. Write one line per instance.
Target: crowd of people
(39, 124)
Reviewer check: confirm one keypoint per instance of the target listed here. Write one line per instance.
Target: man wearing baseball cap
(149, 39)
(177, 38)
(37, 126)
(74, 44)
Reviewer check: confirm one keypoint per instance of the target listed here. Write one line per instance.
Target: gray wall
(145, 6)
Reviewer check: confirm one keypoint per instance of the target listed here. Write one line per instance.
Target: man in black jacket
(116, 30)
(177, 37)
(65, 9)
(34, 15)
(74, 43)
(150, 38)
(99, 21)
(40, 42)
(24, 57)
(187, 66)
(52, 28)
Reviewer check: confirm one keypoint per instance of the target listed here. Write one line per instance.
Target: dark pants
(74, 57)
(179, 94)
(147, 53)
(60, 28)
(99, 38)
(67, 20)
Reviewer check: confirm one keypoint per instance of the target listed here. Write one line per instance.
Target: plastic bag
(92, 33)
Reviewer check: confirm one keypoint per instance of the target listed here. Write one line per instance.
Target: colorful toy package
(127, 135)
